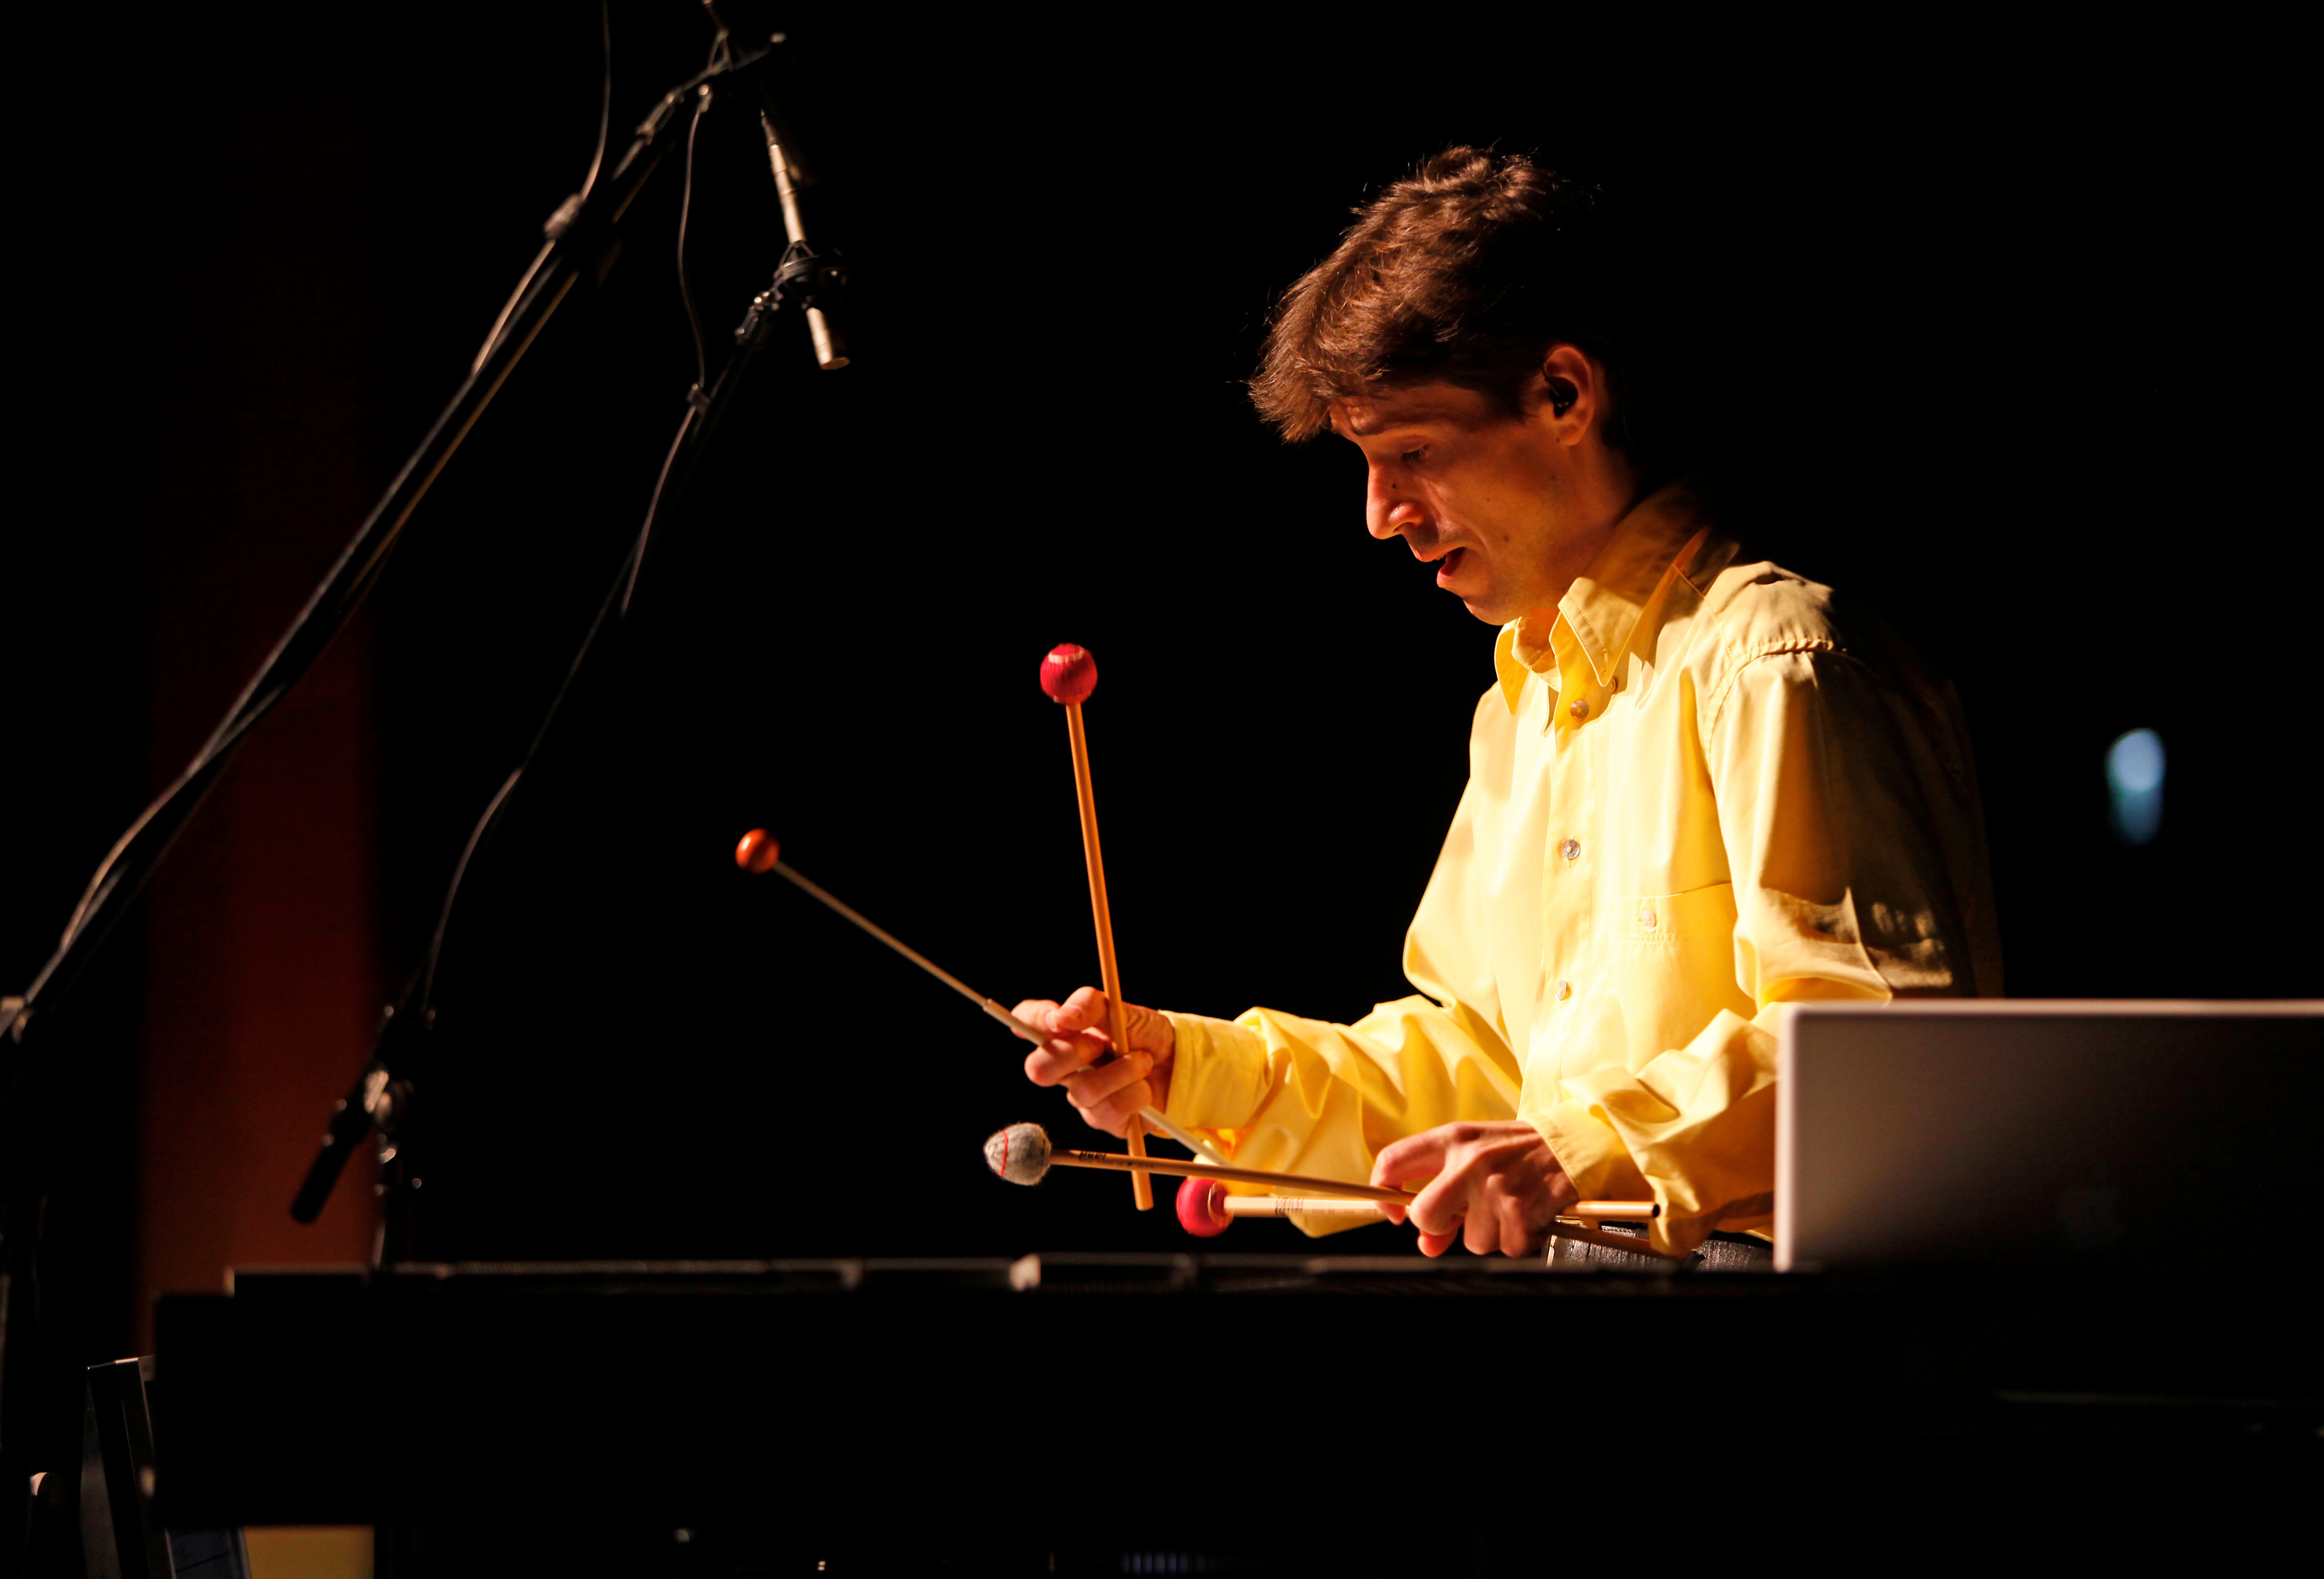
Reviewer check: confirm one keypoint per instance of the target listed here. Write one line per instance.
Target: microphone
(803, 275)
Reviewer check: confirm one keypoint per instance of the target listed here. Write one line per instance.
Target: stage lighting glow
(2134, 766)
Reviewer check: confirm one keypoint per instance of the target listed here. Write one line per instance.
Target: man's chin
(1485, 607)
(1472, 581)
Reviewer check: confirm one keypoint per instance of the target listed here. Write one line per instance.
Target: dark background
(2006, 341)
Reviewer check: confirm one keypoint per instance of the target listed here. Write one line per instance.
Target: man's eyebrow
(1411, 418)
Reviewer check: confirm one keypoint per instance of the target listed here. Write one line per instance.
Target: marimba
(908, 1412)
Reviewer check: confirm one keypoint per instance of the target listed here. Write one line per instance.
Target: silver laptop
(1929, 1132)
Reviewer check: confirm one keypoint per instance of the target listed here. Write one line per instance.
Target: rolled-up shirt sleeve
(1297, 1096)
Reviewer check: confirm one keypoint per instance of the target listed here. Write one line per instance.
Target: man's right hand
(1080, 1057)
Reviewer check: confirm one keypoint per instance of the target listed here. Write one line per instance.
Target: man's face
(1490, 499)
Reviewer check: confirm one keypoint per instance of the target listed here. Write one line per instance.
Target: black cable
(588, 185)
(685, 283)
(613, 611)
(720, 54)
(616, 606)
(254, 704)
(605, 103)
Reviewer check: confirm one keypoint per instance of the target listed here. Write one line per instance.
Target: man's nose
(1386, 513)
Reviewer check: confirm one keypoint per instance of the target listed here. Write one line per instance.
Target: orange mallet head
(758, 852)
(1068, 673)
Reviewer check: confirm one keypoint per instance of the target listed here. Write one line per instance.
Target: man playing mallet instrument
(1699, 787)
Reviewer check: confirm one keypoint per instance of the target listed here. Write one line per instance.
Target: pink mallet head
(1202, 1207)
(1068, 673)
(758, 851)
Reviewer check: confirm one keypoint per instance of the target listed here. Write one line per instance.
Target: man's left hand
(1495, 1187)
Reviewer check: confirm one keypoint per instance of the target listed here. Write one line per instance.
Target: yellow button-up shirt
(1706, 790)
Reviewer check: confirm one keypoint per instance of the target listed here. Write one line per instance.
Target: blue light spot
(2134, 766)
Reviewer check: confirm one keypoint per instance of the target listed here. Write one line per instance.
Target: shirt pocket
(1673, 966)
(1668, 921)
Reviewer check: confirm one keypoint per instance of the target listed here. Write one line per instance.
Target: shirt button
(1570, 850)
(1646, 916)
(1565, 990)
(1580, 709)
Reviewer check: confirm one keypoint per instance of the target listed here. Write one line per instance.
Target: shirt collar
(1601, 610)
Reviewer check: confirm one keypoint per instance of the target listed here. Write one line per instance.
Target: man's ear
(1570, 392)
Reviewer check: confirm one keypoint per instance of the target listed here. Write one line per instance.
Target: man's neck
(1604, 495)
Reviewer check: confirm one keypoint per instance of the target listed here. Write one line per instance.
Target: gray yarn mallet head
(1019, 1153)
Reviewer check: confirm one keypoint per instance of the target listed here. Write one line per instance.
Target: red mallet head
(758, 852)
(1202, 1207)
(1068, 673)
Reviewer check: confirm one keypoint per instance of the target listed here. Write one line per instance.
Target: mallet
(1068, 676)
(759, 853)
(1206, 1211)
(1023, 1154)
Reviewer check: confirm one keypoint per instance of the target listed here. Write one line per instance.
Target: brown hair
(1467, 271)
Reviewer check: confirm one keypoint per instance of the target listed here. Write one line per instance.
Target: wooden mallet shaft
(1023, 1154)
(1582, 1232)
(1353, 1197)
(1109, 967)
(1592, 1211)
(759, 853)
(1068, 675)
(817, 891)
(1278, 1205)
(1061, 1158)
(1284, 1206)
(1618, 1211)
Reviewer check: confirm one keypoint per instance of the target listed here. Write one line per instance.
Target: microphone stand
(582, 242)
(583, 239)
(381, 1098)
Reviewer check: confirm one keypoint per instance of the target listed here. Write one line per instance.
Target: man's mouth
(1449, 565)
